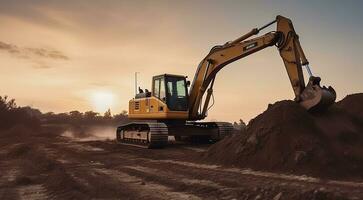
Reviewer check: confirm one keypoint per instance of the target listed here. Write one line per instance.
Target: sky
(69, 55)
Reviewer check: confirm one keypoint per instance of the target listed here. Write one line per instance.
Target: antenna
(136, 82)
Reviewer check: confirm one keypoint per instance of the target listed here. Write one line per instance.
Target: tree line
(11, 114)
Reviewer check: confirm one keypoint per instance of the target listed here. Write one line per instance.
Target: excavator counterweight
(170, 109)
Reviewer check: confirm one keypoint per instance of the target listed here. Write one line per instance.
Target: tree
(76, 115)
(90, 116)
(242, 123)
(121, 117)
(12, 115)
(235, 125)
(107, 115)
(62, 118)
(31, 111)
(6, 104)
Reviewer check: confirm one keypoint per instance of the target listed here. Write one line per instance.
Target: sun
(102, 100)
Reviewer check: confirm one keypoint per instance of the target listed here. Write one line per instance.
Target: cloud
(30, 52)
(40, 65)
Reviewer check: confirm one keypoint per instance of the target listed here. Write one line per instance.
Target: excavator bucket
(315, 98)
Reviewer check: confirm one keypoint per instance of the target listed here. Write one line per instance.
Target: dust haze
(95, 133)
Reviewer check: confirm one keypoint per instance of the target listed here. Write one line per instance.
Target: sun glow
(102, 100)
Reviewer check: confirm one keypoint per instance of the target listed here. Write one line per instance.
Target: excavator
(170, 110)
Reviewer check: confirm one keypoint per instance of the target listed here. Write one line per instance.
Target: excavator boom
(311, 96)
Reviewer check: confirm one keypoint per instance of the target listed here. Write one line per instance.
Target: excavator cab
(167, 100)
(172, 90)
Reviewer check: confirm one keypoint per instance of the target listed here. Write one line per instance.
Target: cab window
(159, 89)
(176, 93)
(156, 87)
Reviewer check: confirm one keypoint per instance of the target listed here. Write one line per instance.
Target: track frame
(155, 134)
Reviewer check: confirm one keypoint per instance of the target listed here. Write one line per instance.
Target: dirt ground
(44, 164)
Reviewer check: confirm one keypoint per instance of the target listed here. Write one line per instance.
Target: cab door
(159, 93)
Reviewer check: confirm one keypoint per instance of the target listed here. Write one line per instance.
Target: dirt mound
(286, 138)
(353, 104)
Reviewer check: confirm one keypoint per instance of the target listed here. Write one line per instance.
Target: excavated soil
(286, 138)
(353, 104)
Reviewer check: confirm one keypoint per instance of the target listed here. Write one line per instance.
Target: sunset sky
(67, 55)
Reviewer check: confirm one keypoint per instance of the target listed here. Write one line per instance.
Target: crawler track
(143, 134)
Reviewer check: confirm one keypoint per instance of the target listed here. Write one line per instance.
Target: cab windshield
(176, 93)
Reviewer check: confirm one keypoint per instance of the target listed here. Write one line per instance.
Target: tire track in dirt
(89, 173)
(32, 192)
(13, 185)
(146, 189)
(228, 176)
(211, 184)
(135, 173)
(250, 172)
(211, 189)
(7, 177)
(166, 185)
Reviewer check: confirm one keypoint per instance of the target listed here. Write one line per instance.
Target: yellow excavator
(169, 109)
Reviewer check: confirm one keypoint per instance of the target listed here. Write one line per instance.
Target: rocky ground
(47, 164)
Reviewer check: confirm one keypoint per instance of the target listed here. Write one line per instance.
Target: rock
(278, 196)
(300, 157)
(320, 194)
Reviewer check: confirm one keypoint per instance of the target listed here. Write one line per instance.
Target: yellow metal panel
(153, 108)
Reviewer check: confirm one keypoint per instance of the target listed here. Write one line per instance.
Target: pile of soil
(286, 138)
(353, 104)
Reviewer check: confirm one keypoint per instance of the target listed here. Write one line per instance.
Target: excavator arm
(311, 96)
